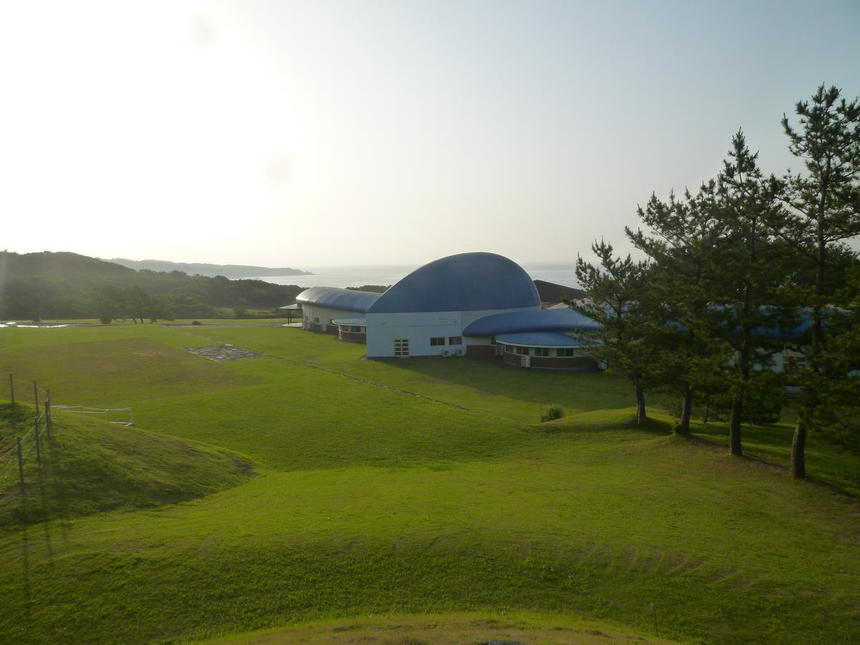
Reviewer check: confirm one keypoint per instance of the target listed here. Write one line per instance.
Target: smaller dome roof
(528, 321)
(463, 282)
(336, 298)
(538, 339)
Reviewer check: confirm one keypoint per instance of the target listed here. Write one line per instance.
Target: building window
(437, 340)
(455, 340)
(522, 350)
(317, 320)
(564, 351)
(401, 347)
(541, 351)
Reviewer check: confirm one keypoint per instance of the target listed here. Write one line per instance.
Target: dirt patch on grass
(224, 352)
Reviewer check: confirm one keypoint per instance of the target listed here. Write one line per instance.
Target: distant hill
(68, 285)
(61, 265)
(377, 288)
(210, 270)
(552, 292)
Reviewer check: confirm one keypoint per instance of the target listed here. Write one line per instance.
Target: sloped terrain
(415, 487)
(89, 466)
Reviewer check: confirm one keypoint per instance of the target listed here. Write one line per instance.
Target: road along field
(406, 487)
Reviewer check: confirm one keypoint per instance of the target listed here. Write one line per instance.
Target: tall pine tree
(822, 209)
(683, 241)
(752, 272)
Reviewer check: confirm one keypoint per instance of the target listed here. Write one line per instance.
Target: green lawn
(420, 486)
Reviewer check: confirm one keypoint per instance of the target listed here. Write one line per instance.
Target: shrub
(552, 413)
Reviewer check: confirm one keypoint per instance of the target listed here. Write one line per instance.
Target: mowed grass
(88, 467)
(389, 488)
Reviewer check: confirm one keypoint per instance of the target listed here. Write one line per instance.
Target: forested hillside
(34, 286)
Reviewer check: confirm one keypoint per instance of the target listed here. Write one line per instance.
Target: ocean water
(356, 276)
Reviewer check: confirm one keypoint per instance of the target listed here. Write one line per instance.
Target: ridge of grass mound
(446, 629)
(90, 466)
(599, 420)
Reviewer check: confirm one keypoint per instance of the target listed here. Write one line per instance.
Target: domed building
(474, 304)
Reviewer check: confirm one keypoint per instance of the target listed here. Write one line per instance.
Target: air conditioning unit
(445, 353)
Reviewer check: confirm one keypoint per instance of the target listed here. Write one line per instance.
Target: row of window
(560, 352)
(452, 340)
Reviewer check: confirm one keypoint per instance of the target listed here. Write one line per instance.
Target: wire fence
(117, 416)
(30, 437)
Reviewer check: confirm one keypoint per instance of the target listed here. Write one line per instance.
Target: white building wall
(311, 312)
(419, 328)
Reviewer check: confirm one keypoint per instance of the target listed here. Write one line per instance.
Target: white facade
(313, 315)
(438, 333)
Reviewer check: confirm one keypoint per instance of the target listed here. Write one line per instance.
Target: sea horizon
(386, 275)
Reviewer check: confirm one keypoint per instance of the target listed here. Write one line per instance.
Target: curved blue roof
(463, 282)
(538, 339)
(530, 321)
(336, 298)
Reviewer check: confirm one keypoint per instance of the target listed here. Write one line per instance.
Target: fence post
(21, 469)
(12, 388)
(48, 414)
(36, 400)
(38, 444)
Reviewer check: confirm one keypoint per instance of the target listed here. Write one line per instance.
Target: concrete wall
(563, 363)
(352, 336)
(515, 360)
(480, 351)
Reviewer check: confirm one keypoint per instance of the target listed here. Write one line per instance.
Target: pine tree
(684, 244)
(752, 270)
(822, 208)
(615, 290)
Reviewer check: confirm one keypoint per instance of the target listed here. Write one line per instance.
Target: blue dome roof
(538, 339)
(336, 298)
(541, 320)
(463, 282)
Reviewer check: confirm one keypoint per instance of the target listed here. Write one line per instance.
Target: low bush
(552, 413)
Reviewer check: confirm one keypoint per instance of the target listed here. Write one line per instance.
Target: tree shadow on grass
(604, 420)
(827, 463)
(574, 389)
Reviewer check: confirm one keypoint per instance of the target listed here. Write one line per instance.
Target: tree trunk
(683, 426)
(735, 425)
(798, 451)
(798, 442)
(641, 415)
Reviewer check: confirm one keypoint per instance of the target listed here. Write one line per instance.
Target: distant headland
(210, 270)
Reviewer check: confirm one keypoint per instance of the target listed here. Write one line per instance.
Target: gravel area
(225, 352)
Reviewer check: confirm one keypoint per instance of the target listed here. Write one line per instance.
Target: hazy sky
(372, 132)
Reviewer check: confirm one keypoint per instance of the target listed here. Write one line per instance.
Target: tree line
(36, 286)
(749, 270)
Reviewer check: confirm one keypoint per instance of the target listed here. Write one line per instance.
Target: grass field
(416, 487)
